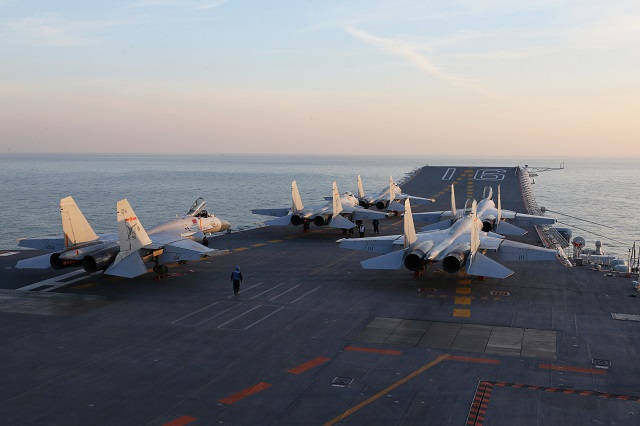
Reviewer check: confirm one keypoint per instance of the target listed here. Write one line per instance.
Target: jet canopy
(197, 208)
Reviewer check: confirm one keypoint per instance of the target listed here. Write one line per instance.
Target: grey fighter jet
(390, 198)
(172, 241)
(457, 248)
(493, 217)
(339, 212)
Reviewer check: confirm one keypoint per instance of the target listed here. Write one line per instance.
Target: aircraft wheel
(164, 270)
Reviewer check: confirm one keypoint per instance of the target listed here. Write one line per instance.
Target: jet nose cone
(224, 225)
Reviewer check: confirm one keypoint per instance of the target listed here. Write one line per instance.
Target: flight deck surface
(314, 339)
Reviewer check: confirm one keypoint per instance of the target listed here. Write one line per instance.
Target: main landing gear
(162, 271)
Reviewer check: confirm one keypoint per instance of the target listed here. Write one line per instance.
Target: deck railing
(549, 235)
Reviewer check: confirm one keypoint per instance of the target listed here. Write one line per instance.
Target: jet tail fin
(409, 228)
(337, 205)
(130, 231)
(453, 203)
(499, 207)
(133, 237)
(360, 188)
(392, 191)
(475, 230)
(75, 226)
(296, 201)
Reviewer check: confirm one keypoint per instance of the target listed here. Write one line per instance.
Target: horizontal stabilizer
(490, 241)
(38, 262)
(395, 206)
(393, 260)
(130, 265)
(430, 217)
(505, 228)
(515, 251)
(373, 245)
(522, 219)
(279, 221)
(272, 212)
(184, 250)
(420, 200)
(52, 244)
(341, 222)
(365, 214)
(484, 267)
(445, 224)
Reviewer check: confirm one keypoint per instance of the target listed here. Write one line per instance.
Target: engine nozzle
(321, 220)
(454, 261)
(58, 264)
(382, 204)
(416, 260)
(100, 260)
(488, 225)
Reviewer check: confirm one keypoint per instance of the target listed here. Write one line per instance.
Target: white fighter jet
(456, 247)
(493, 218)
(338, 213)
(390, 198)
(172, 241)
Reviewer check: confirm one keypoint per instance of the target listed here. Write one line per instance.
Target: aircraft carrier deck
(314, 339)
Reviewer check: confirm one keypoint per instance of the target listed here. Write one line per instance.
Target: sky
(467, 77)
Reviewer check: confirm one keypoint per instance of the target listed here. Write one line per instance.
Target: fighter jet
(390, 198)
(338, 213)
(493, 217)
(171, 241)
(456, 248)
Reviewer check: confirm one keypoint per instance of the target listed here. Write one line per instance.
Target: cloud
(412, 53)
(192, 4)
(52, 31)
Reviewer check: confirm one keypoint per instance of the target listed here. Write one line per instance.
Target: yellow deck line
(386, 390)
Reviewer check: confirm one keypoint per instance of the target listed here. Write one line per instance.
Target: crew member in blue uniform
(236, 279)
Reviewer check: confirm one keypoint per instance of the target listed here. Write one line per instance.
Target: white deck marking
(284, 292)
(306, 294)
(448, 175)
(245, 290)
(254, 323)
(207, 319)
(55, 281)
(266, 291)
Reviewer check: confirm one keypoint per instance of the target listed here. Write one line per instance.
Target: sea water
(597, 198)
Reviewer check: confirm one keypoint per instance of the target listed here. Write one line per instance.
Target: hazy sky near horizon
(328, 77)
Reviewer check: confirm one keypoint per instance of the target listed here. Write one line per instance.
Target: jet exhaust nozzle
(364, 204)
(58, 264)
(416, 260)
(321, 220)
(100, 260)
(296, 220)
(381, 205)
(488, 225)
(454, 261)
